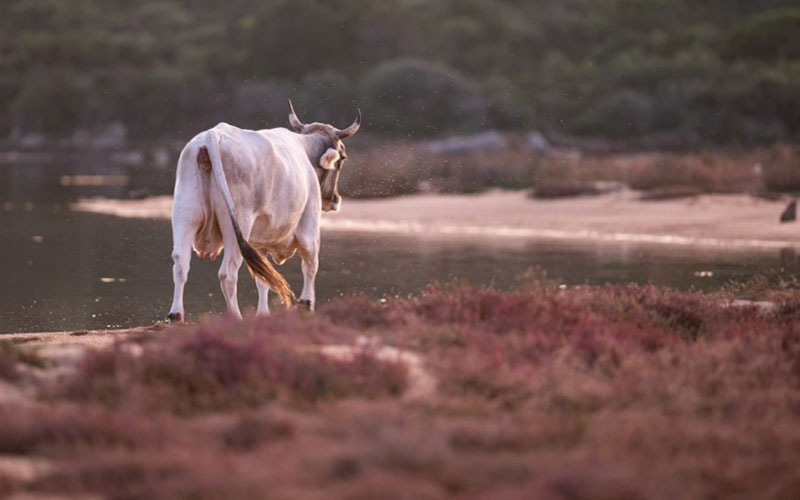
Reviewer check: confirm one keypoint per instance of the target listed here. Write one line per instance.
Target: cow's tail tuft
(262, 269)
(257, 264)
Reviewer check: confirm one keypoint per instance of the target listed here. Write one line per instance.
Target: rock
(110, 136)
(128, 158)
(790, 212)
(80, 138)
(537, 143)
(32, 140)
(138, 193)
(491, 140)
(161, 157)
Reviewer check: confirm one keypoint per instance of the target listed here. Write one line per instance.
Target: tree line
(678, 72)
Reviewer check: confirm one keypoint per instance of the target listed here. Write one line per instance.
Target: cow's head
(329, 155)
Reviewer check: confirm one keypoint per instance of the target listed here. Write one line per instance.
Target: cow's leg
(263, 297)
(231, 262)
(229, 277)
(309, 252)
(182, 237)
(307, 242)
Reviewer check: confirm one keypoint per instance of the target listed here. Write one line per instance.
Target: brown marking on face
(329, 178)
(325, 139)
(203, 161)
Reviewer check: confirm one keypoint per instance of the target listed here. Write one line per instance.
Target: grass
(11, 356)
(542, 392)
(379, 169)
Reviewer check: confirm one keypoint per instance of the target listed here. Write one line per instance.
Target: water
(65, 270)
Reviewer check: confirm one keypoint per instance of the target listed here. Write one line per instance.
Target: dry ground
(733, 221)
(543, 392)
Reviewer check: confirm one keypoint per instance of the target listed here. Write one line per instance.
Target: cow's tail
(258, 264)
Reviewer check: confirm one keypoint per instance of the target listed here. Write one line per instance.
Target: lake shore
(735, 221)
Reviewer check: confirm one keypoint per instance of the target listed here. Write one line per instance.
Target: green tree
(770, 35)
(414, 96)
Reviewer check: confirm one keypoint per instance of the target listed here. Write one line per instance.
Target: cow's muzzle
(332, 205)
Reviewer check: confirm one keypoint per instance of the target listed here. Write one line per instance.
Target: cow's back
(269, 176)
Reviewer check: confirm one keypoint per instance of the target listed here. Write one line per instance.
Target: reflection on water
(66, 270)
(69, 270)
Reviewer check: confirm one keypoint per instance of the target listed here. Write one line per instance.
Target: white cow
(251, 193)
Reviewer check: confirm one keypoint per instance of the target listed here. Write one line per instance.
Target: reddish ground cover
(542, 392)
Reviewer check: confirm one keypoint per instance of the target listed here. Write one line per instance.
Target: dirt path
(721, 221)
(85, 338)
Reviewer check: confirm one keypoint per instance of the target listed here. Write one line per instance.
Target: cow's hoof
(304, 305)
(174, 318)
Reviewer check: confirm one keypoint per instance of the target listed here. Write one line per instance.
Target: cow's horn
(352, 129)
(293, 120)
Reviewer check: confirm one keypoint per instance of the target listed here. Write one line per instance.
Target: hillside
(682, 73)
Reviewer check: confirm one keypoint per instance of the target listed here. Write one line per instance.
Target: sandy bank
(724, 221)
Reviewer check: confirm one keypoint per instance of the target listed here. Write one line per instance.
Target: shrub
(11, 354)
(766, 35)
(762, 104)
(396, 167)
(507, 107)
(619, 115)
(250, 432)
(260, 104)
(706, 173)
(380, 170)
(329, 97)
(53, 102)
(562, 189)
(415, 96)
(626, 388)
(47, 430)
(217, 370)
(671, 193)
(8, 362)
(782, 170)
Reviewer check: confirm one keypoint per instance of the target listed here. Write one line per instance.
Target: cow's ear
(329, 159)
